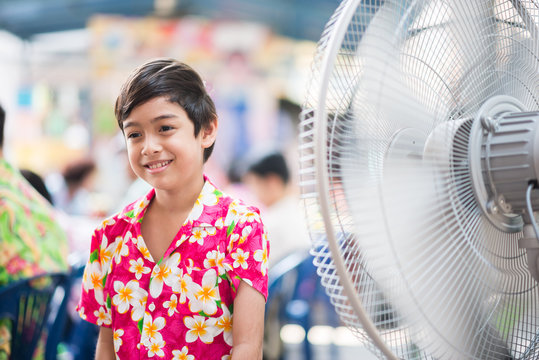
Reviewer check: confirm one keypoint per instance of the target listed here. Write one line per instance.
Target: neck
(178, 201)
(278, 194)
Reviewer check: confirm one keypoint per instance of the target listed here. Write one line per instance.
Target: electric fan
(419, 161)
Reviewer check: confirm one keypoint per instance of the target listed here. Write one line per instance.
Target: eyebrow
(129, 123)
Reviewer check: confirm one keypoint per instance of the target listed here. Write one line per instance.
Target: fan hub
(501, 155)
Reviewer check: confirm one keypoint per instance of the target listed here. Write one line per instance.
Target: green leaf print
(109, 301)
(140, 325)
(130, 214)
(105, 280)
(94, 256)
(217, 193)
(230, 228)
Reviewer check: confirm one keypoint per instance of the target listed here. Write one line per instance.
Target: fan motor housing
(508, 160)
(503, 144)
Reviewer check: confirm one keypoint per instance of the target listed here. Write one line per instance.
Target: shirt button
(151, 307)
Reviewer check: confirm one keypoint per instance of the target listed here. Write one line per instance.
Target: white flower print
(190, 267)
(200, 328)
(233, 238)
(93, 279)
(197, 210)
(210, 230)
(261, 255)
(121, 248)
(219, 223)
(151, 328)
(106, 253)
(103, 317)
(105, 223)
(117, 338)
(126, 295)
(240, 258)
(139, 306)
(215, 258)
(198, 235)
(160, 274)
(180, 283)
(232, 214)
(144, 251)
(173, 260)
(137, 267)
(82, 313)
(156, 348)
(181, 240)
(203, 297)
(224, 325)
(141, 205)
(245, 233)
(182, 355)
(249, 216)
(171, 305)
(206, 198)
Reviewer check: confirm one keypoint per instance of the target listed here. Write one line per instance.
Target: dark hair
(2, 121)
(76, 171)
(175, 80)
(274, 163)
(37, 182)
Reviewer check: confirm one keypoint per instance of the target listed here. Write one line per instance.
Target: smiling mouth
(158, 165)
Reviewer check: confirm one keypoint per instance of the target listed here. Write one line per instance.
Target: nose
(151, 145)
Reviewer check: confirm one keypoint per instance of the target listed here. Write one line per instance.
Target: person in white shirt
(269, 180)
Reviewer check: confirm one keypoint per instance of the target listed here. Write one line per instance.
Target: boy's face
(161, 145)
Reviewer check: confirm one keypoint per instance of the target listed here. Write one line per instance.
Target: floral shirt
(179, 307)
(31, 241)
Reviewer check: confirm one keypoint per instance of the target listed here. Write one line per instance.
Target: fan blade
(415, 224)
(472, 30)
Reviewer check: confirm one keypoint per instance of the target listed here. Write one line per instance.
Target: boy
(159, 288)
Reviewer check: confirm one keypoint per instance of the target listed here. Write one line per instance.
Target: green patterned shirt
(31, 241)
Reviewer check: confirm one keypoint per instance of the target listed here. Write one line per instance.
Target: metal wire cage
(414, 262)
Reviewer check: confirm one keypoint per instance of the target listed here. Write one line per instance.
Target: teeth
(158, 165)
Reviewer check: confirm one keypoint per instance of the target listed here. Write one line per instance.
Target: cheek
(132, 159)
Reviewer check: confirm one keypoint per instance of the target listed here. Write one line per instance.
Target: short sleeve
(248, 249)
(94, 305)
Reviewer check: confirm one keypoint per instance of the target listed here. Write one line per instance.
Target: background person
(31, 241)
(268, 177)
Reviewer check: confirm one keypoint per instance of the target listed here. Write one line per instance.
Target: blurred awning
(300, 19)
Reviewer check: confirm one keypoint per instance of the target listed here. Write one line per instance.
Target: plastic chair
(27, 304)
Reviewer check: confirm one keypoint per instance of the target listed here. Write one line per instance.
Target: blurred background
(62, 63)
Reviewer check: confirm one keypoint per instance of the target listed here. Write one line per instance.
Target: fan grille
(382, 97)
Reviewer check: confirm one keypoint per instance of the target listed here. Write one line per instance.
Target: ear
(209, 133)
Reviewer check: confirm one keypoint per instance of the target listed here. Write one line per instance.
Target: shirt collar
(134, 212)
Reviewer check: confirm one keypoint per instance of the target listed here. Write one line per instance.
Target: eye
(133, 135)
(164, 128)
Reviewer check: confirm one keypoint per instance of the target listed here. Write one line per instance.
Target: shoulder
(17, 195)
(237, 210)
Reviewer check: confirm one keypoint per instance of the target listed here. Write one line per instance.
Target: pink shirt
(180, 307)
